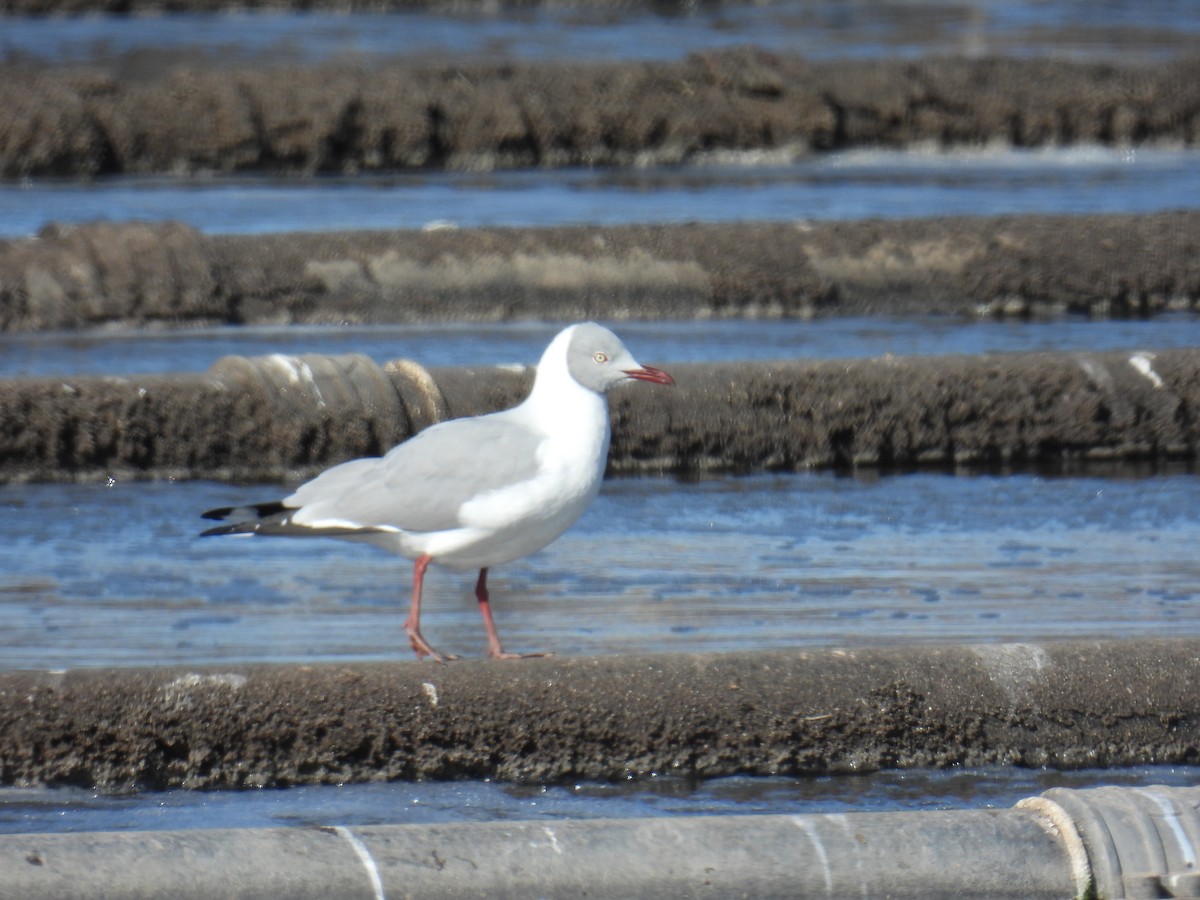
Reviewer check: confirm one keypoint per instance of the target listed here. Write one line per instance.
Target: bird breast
(520, 519)
(568, 477)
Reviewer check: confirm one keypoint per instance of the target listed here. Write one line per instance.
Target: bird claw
(422, 647)
(502, 654)
(437, 657)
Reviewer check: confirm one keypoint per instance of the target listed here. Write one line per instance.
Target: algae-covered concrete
(1023, 409)
(486, 115)
(169, 274)
(1101, 703)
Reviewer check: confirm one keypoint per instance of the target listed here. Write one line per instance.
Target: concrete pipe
(1107, 843)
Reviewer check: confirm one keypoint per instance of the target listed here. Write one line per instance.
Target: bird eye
(600, 357)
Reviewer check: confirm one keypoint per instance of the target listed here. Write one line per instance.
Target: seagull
(474, 492)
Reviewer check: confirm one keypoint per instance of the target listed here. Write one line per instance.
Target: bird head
(598, 360)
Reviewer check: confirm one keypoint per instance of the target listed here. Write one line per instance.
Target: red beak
(649, 373)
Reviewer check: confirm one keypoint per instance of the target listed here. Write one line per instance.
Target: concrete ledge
(153, 273)
(1031, 409)
(490, 115)
(1103, 703)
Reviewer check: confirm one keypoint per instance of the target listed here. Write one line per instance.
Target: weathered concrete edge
(1070, 704)
(893, 413)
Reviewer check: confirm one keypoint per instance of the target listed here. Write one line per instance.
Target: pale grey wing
(339, 481)
(421, 485)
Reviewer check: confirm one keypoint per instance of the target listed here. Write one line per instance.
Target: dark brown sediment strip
(468, 115)
(168, 274)
(1075, 704)
(270, 418)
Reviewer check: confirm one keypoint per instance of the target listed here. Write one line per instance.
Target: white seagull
(475, 492)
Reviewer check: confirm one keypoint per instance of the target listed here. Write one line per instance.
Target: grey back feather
(421, 484)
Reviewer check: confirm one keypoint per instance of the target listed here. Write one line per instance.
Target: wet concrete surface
(240, 421)
(1064, 705)
(481, 116)
(170, 274)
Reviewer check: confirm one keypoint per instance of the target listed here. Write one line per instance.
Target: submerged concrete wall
(487, 115)
(281, 418)
(1074, 704)
(167, 273)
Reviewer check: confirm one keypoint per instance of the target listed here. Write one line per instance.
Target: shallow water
(823, 29)
(747, 187)
(97, 575)
(129, 352)
(24, 810)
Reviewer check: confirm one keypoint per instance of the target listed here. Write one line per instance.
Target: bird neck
(557, 400)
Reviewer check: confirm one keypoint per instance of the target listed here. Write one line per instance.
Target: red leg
(495, 648)
(412, 625)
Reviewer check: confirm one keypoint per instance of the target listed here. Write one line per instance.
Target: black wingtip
(248, 518)
(248, 510)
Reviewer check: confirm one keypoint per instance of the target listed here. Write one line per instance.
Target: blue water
(822, 29)
(72, 810)
(857, 184)
(133, 352)
(111, 575)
